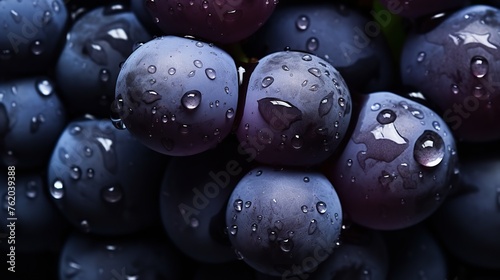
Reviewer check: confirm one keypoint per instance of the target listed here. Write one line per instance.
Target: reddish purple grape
(218, 21)
(397, 166)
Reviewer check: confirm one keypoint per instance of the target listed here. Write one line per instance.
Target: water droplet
(171, 71)
(454, 89)
(386, 116)
(321, 207)
(226, 90)
(15, 16)
(284, 67)
(72, 269)
(304, 208)
(313, 225)
(420, 56)
(37, 47)
(375, 107)
(436, 125)
(403, 201)
(307, 57)
(325, 105)
(479, 66)
(204, 4)
(210, 73)
(197, 63)
(259, 218)
(248, 204)
(44, 87)
(341, 102)
(312, 44)
(302, 23)
(267, 81)
(306, 179)
(57, 189)
(286, 245)
(239, 255)
(151, 69)
(478, 91)
(429, 149)
(272, 235)
(75, 173)
(112, 194)
(184, 129)
(84, 224)
(296, 142)
(315, 72)
(238, 205)
(191, 99)
(55, 6)
(277, 113)
(437, 197)
(194, 223)
(191, 73)
(35, 123)
(254, 227)
(258, 173)
(199, 44)
(31, 189)
(90, 173)
(230, 113)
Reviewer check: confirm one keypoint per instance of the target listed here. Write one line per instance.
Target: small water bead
(267, 81)
(84, 225)
(429, 149)
(112, 194)
(15, 16)
(191, 73)
(104, 75)
(226, 89)
(312, 44)
(437, 197)
(349, 162)
(304, 208)
(230, 113)
(57, 189)
(248, 204)
(153, 110)
(171, 71)
(199, 44)
(31, 189)
(436, 125)
(284, 67)
(302, 23)
(341, 102)
(315, 72)
(204, 4)
(44, 87)
(314, 87)
(191, 99)
(150, 96)
(313, 225)
(478, 91)
(454, 89)
(37, 47)
(184, 129)
(325, 105)
(286, 245)
(306, 179)
(254, 227)
(151, 69)
(304, 83)
(272, 235)
(321, 207)
(90, 173)
(75, 173)
(375, 107)
(386, 116)
(198, 64)
(307, 57)
(417, 114)
(210, 73)
(258, 173)
(194, 223)
(238, 205)
(420, 56)
(479, 66)
(259, 218)
(296, 142)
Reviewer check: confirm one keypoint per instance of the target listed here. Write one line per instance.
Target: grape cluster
(250, 139)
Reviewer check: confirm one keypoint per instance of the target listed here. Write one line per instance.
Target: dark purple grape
(88, 65)
(217, 21)
(193, 201)
(415, 253)
(362, 255)
(339, 34)
(144, 256)
(178, 96)
(398, 164)
(473, 211)
(31, 35)
(31, 119)
(29, 215)
(296, 112)
(454, 65)
(103, 180)
(283, 222)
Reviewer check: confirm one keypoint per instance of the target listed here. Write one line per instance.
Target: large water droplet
(479, 66)
(312, 44)
(386, 116)
(112, 194)
(44, 87)
(429, 149)
(286, 245)
(210, 73)
(325, 105)
(313, 225)
(277, 113)
(302, 23)
(238, 205)
(191, 99)
(321, 207)
(267, 81)
(57, 189)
